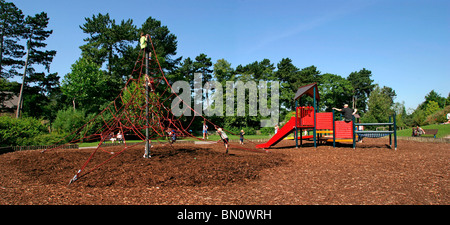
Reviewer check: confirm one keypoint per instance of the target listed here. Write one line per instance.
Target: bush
(237, 130)
(21, 131)
(249, 130)
(267, 130)
(69, 120)
(48, 139)
(418, 117)
(437, 117)
(288, 117)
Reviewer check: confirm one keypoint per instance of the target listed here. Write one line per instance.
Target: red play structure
(323, 123)
(340, 132)
(308, 118)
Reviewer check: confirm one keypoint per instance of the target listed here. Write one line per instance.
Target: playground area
(417, 173)
(327, 167)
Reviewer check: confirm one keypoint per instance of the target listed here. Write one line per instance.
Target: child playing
(224, 137)
(205, 131)
(241, 137)
(119, 137)
(172, 135)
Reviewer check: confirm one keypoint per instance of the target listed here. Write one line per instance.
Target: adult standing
(348, 113)
(276, 128)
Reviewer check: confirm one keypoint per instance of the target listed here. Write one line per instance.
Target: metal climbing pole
(147, 145)
(144, 45)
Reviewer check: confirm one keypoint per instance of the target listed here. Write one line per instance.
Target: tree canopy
(11, 31)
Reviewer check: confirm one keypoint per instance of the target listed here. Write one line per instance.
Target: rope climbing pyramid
(140, 110)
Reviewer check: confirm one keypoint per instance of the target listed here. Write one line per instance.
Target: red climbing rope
(126, 114)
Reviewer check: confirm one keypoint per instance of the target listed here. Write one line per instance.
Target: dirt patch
(417, 173)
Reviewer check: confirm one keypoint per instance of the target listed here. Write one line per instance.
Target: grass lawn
(236, 137)
(91, 144)
(443, 130)
(211, 138)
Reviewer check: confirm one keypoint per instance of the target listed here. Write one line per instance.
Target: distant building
(8, 103)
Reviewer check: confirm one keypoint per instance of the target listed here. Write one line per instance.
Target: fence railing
(35, 147)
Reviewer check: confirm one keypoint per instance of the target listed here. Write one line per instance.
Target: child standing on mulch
(241, 137)
(172, 135)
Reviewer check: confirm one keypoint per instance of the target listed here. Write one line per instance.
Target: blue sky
(405, 43)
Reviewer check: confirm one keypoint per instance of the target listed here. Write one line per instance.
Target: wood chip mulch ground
(372, 174)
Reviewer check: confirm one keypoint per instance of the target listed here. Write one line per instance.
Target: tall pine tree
(107, 41)
(362, 86)
(110, 44)
(44, 84)
(164, 41)
(11, 30)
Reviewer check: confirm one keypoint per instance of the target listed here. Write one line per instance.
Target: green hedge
(21, 131)
(237, 130)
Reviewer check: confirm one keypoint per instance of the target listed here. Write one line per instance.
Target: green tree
(117, 45)
(431, 108)
(379, 105)
(11, 30)
(307, 76)
(37, 87)
(164, 41)
(107, 41)
(401, 116)
(74, 124)
(37, 34)
(202, 64)
(418, 117)
(263, 70)
(87, 86)
(362, 86)
(433, 96)
(223, 71)
(249, 74)
(334, 90)
(288, 75)
(184, 71)
(388, 91)
(438, 116)
(447, 100)
(109, 44)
